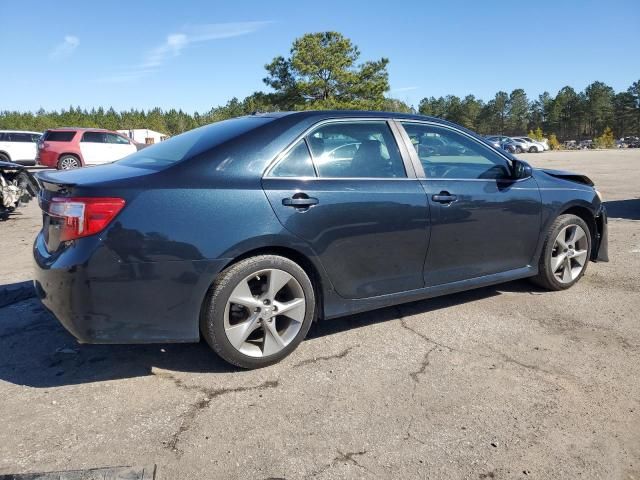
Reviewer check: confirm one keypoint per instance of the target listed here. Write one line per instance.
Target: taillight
(84, 216)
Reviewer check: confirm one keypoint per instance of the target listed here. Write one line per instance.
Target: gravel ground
(502, 382)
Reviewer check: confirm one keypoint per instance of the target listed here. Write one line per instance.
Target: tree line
(322, 71)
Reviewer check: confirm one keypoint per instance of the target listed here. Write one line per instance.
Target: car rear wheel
(68, 162)
(258, 311)
(565, 253)
(519, 150)
(533, 150)
(4, 158)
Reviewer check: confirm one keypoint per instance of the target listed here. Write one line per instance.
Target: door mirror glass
(520, 169)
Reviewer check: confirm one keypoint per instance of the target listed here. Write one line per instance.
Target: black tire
(546, 277)
(4, 158)
(519, 150)
(212, 318)
(66, 160)
(533, 149)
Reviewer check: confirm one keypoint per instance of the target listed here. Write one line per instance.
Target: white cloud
(403, 89)
(175, 43)
(65, 48)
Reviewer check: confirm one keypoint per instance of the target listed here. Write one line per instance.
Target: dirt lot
(502, 382)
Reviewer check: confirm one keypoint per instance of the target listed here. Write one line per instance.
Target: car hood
(570, 176)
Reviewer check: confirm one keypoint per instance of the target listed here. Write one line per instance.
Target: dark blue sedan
(248, 230)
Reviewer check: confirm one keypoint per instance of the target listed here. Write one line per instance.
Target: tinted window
(35, 137)
(356, 150)
(59, 136)
(113, 138)
(3, 137)
(193, 142)
(446, 153)
(20, 137)
(297, 163)
(93, 137)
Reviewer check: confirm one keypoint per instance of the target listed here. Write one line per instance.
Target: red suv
(67, 148)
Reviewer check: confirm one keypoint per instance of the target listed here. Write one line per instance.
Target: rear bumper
(46, 158)
(100, 299)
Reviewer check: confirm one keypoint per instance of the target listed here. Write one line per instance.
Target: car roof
(328, 114)
(79, 129)
(20, 131)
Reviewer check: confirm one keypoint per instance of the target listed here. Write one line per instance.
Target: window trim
(285, 155)
(418, 165)
(404, 155)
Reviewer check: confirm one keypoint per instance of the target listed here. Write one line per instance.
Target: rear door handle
(444, 197)
(300, 200)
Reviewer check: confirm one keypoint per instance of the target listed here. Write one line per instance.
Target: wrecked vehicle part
(17, 187)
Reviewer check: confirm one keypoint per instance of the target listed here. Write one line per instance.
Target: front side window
(296, 163)
(445, 153)
(20, 137)
(117, 139)
(93, 137)
(363, 149)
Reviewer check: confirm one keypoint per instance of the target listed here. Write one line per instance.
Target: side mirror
(520, 169)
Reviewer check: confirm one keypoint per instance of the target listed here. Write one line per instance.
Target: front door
(345, 191)
(120, 146)
(483, 222)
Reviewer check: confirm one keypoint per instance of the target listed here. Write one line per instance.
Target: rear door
(94, 148)
(346, 189)
(483, 221)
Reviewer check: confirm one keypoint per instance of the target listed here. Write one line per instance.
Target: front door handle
(444, 197)
(300, 200)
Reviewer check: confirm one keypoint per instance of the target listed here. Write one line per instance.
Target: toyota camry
(246, 231)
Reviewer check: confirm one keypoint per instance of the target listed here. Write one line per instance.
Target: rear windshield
(58, 136)
(191, 143)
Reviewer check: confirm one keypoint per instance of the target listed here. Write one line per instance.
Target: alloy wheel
(264, 313)
(68, 163)
(569, 255)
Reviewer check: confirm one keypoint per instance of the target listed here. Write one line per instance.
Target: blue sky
(198, 54)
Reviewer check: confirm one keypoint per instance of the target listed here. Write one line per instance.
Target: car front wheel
(533, 150)
(565, 253)
(258, 311)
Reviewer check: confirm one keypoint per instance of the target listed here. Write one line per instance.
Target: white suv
(18, 146)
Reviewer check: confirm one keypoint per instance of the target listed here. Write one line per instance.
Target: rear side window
(192, 143)
(59, 136)
(93, 137)
(297, 163)
(364, 149)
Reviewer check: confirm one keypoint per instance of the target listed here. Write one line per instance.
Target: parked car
(534, 145)
(17, 187)
(67, 148)
(520, 146)
(500, 141)
(248, 230)
(18, 146)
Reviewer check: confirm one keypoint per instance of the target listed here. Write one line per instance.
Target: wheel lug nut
(266, 302)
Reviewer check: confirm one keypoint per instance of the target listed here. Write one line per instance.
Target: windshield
(191, 143)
